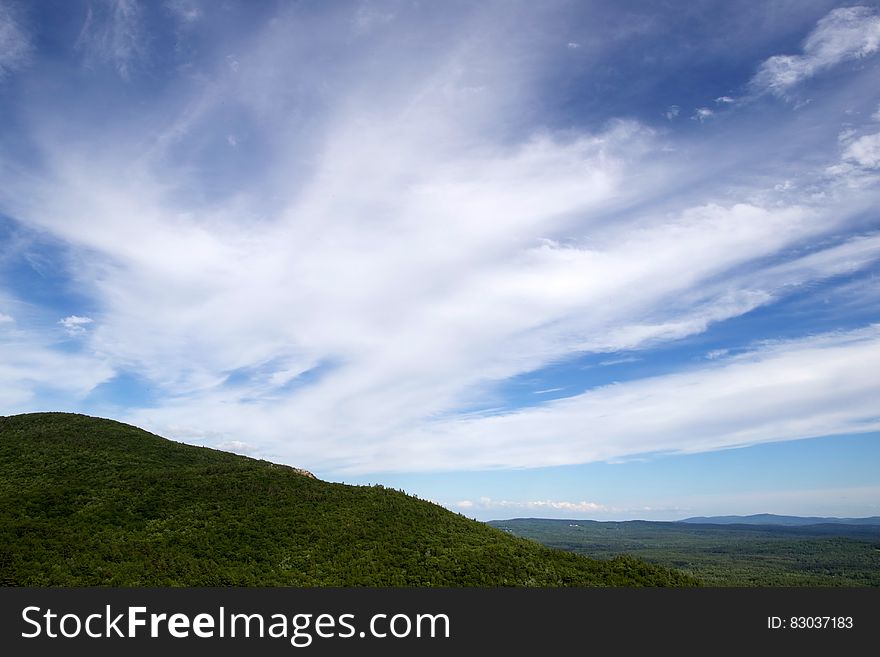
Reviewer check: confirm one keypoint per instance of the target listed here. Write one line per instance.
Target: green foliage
(86, 502)
(724, 555)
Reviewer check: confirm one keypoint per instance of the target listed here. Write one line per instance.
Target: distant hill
(825, 554)
(86, 501)
(771, 519)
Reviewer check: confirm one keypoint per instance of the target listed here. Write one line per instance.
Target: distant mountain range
(772, 519)
(727, 551)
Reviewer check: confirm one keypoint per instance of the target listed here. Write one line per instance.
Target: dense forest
(826, 554)
(87, 501)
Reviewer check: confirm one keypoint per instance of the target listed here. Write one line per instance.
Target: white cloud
(811, 387)
(486, 508)
(35, 377)
(238, 447)
(846, 136)
(186, 11)
(864, 151)
(403, 252)
(784, 186)
(113, 33)
(618, 361)
(419, 311)
(847, 257)
(845, 501)
(487, 503)
(6, 319)
(75, 325)
(577, 507)
(702, 114)
(724, 100)
(15, 45)
(840, 502)
(859, 161)
(845, 33)
(672, 111)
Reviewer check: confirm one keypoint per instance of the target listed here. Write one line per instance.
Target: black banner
(103, 621)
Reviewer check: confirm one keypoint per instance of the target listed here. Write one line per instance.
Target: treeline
(86, 502)
(725, 555)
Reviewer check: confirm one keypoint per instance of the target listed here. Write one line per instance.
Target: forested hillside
(87, 501)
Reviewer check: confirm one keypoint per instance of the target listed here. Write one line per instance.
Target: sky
(557, 259)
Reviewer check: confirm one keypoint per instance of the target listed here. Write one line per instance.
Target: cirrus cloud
(846, 33)
(393, 237)
(15, 42)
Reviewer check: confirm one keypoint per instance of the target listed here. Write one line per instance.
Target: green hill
(87, 501)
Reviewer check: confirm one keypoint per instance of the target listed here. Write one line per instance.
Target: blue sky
(564, 259)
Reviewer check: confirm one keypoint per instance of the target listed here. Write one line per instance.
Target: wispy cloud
(547, 391)
(619, 361)
(238, 447)
(702, 114)
(811, 387)
(113, 33)
(33, 376)
(859, 159)
(864, 151)
(186, 11)
(487, 503)
(846, 33)
(387, 211)
(15, 43)
(824, 501)
(75, 325)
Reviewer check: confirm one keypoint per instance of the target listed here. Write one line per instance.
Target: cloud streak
(811, 387)
(75, 325)
(33, 376)
(540, 506)
(845, 34)
(15, 44)
(113, 34)
(344, 265)
(836, 501)
(864, 152)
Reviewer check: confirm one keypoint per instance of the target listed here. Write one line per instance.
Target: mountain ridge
(829, 554)
(93, 502)
(773, 519)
